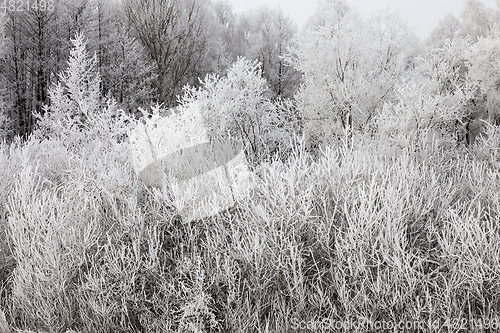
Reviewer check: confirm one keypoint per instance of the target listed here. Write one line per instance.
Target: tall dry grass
(362, 233)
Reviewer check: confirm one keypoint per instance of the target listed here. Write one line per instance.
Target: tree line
(147, 51)
(341, 74)
(372, 75)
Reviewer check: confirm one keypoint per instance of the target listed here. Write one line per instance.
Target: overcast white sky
(423, 15)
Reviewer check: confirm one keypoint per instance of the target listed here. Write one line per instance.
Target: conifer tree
(76, 113)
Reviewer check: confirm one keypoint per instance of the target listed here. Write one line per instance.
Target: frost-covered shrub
(286, 125)
(486, 148)
(173, 153)
(157, 135)
(236, 106)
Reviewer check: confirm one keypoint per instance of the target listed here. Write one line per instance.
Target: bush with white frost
(237, 106)
(169, 153)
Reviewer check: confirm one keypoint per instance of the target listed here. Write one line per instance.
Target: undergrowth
(365, 234)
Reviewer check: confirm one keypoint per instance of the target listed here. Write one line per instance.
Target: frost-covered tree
(176, 36)
(5, 121)
(484, 68)
(32, 59)
(448, 28)
(3, 37)
(350, 68)
(80, 96)
(225, 43)
(130, 79)
(76, 113)
(433, 103)
(477, 19)
(233, 105)
(265, 35)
